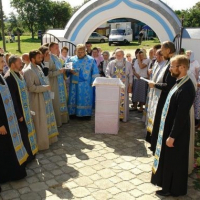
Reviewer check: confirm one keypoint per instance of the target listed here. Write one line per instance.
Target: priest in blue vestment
(83, 73)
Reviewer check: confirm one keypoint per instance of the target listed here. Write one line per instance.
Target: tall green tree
(29, 11)
(59, 13)
(15, 24)
(42, 14)
(191, 16)
(13, 20)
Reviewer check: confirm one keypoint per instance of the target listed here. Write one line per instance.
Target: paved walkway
(86, 166)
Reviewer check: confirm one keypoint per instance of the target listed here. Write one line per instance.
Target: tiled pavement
(83, 165)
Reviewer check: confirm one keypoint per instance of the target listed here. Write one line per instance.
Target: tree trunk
(32, 33)
(2, 26)
(18, 38)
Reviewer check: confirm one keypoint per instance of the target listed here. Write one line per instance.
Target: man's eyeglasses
(174, 66)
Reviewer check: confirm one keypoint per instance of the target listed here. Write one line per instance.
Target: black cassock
(10, 169)
(168, 83)
(12, 84)
(172, 172)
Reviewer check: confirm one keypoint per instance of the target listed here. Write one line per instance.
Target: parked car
(96, 37)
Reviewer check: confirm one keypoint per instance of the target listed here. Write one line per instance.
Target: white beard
(120, 63)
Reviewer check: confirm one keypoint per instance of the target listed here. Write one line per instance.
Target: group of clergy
(34, 102)
(170, 129)
(27, 122)
(169, 107)
(169, 112)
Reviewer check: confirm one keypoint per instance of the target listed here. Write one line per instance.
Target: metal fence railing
(48, 38)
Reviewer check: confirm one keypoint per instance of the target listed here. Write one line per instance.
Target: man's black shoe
(85, 118)
(72, 117)
(88, 118)
(162, 193)
(174, 195)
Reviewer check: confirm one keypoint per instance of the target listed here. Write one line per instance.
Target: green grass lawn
(133, 45)
(27, 44)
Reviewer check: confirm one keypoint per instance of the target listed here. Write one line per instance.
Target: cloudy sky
(174, 4)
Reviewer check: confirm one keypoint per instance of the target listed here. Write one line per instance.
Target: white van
(122, 36)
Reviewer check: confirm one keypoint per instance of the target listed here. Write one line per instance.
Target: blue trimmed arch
(159, 11)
